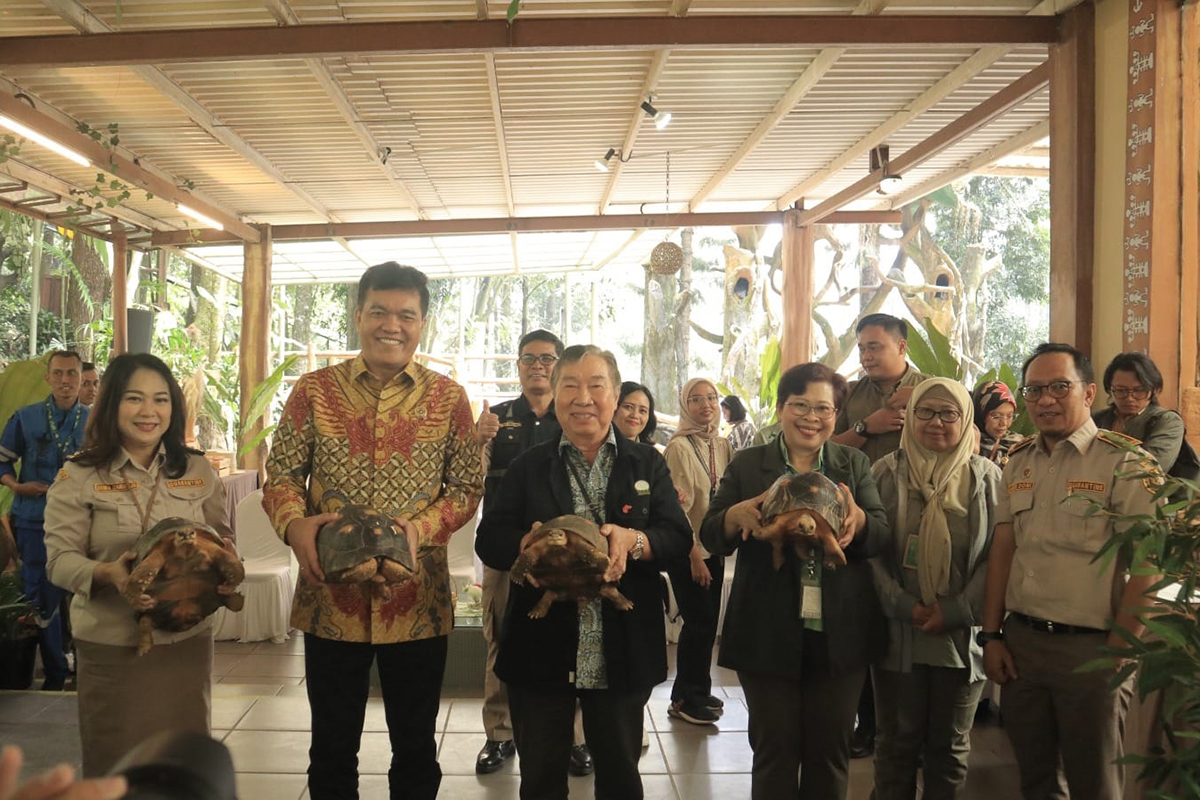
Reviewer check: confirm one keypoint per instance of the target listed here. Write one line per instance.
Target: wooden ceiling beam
(113, 162)
(1010, 96)
(637, 117)
(180, 45)
(36, 179)
(514, 225)
(1016, 172)
(1023, 139)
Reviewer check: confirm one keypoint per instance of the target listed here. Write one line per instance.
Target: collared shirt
(29, 439)
(406, 447)
(92, 517)
(741, 435)
(864, 399)
(520, 429)
(1044, 495)
(589, 484)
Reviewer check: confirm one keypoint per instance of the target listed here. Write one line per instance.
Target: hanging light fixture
(890, 183)
(44, 141)
(661, 118)
(602, 164)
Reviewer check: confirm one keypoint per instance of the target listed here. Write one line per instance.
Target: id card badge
(911, 548)
(810, 588)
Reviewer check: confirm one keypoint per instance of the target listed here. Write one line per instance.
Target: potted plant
(18, 634)
(1165, 544)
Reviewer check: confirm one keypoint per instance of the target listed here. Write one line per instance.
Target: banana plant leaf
(24, 382)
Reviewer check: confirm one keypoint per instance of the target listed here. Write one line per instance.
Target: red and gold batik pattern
(407, 448)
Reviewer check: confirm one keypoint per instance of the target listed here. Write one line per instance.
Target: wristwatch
(635, 552)
(860, 428)
(983, 637)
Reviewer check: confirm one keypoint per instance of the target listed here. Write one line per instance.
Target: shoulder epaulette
(1021, 445)
(1116, 439)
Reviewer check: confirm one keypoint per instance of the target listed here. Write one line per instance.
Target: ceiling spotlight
(602, 165)
(890, 182)
(661, 118)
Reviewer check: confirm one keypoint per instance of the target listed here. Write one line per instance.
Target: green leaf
(256, 441)
(263, 394)
(1166, 631)
(513, 7)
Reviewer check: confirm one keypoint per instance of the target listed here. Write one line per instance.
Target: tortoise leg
(613, 594)
(833, 551)
(363, 572)
(394, 571)
(144, 574)
(235, 601)
(145, 635)
(543, 606)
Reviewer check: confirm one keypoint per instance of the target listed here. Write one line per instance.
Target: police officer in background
(41, 436)
(1065, 726)
(506, 431)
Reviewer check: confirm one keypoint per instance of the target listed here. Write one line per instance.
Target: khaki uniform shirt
(1044, 495)
(690, 473)
(91, 517)
(864, 399)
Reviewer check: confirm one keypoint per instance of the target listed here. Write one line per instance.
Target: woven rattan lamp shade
(666, 258)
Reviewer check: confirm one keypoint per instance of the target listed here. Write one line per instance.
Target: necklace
(72, 415)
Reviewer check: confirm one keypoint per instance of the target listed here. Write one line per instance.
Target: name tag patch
(185, 482)
(1085, 486)
(125, 486)
(1020, 486)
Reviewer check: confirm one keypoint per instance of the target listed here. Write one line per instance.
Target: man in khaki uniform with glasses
(1066, 727)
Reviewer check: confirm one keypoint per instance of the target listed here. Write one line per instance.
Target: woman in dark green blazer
(800, 637)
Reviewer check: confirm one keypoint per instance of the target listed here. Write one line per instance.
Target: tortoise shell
(167, 527)
(360, 535)
(810, 490)
(568, 557)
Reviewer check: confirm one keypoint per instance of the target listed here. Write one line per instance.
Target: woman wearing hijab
(940, 500)
(697, 458)
(995, 410)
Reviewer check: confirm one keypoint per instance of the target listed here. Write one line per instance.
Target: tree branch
(706, 335)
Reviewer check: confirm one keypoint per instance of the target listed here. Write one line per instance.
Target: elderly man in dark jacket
(607, 658)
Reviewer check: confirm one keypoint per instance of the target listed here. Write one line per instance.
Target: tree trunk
(659, 370)
(352, 342)
(85, 301)
(682, 315)
(868, 265)
(303, 301)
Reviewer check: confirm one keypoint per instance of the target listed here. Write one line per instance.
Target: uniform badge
(185, 482)
(642, 487)
(62, 475)
(1028, 471)
(126, 486)
(1020, 486)
(1152, 478)
(1085, 486)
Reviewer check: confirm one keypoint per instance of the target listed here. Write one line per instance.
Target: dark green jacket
(1160, 430)
(763, 632)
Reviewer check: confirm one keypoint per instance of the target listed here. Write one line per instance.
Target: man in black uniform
(505, 432)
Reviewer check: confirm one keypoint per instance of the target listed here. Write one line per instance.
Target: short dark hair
(89, 367)
(893, 325)
(1082, 365)
(797, 379)
(390, 275)
(1139, 364)
(737, 411)
(64, 354)
(102, 441)
(628, 388)
(541, 335)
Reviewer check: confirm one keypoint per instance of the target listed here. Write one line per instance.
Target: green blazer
(763, 632)
(1160, 430)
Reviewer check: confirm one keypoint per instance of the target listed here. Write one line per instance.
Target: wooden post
(254, 346)
(1072, 177)
(160, 263)
(1189, 356)
(798, 261)
(120, 302)
(35, 294)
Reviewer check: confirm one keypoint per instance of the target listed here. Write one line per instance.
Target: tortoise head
(556, 538)
(807, 525)
(185, 542)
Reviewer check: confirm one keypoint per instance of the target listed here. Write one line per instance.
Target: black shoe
(581, 761)
(862, 743)
(493, 755)
(692, 712)
(714, 704)
(54, 684)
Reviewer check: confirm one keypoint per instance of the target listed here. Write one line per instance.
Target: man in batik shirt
(383, 431)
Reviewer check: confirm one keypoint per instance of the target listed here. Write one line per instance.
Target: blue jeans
(45, 597)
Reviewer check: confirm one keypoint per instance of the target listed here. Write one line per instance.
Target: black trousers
(338, 676)
(700, 608)
(543, 720)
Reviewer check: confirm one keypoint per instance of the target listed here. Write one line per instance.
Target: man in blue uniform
(41, 436)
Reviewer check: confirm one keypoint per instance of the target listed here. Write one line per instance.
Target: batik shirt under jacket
(407, 448)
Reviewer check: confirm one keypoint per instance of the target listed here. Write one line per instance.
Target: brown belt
(1046, 626)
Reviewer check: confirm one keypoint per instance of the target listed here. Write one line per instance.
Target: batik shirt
(590, 669)
(407, 448)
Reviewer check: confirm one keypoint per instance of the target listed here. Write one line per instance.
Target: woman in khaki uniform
(134, 471)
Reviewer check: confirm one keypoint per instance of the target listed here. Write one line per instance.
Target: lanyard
(595, 509)
(711, 467)
(144, 514)
(54, 434)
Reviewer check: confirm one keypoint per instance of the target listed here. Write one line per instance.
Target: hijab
(944, 481)
(688, 424)
(988, 397)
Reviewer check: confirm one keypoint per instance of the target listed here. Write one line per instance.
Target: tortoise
(180, 563)
(363, 546)
(801, 511)
(567, 557)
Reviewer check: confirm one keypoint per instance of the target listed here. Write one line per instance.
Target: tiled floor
(261, 714)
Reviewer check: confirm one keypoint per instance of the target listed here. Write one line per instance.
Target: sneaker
(714, 704)
(695, 714)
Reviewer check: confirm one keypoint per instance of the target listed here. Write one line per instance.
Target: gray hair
(576, 353)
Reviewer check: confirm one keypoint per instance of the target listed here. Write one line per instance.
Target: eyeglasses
(1120, 392)
(697, 399)
(803, 409)
(546, 359)
(946, 415)
(1057, 389)
(996, 416)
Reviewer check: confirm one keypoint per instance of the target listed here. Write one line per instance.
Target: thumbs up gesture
(487, 426)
